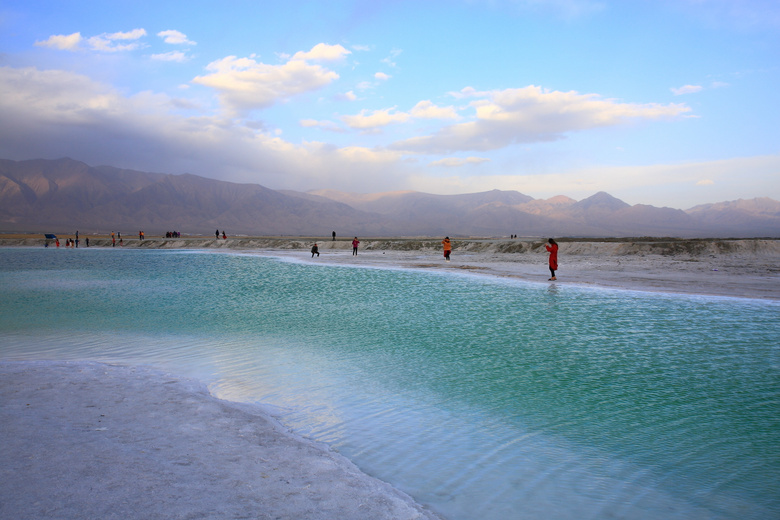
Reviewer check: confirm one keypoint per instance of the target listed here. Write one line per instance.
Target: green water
(481, 398)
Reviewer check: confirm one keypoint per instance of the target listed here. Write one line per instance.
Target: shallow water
(481, 398)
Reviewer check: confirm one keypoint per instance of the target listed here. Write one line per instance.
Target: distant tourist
(217, 234)
(334, 236)
(224, 236)
(315, 250)
(553, 250)
(77, 238)
(113, 240)
(355, 246)
(447, 248)
(86, 241)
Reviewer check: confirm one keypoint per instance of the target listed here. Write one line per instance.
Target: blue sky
(663, 102)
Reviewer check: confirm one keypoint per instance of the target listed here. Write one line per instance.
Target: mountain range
(58, 195)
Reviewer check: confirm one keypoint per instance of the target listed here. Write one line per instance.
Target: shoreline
(653, 274)
(95, 440)
(741, 268)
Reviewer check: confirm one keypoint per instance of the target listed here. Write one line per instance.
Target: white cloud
(686, 89)
(322, 52)
(135, 34)
(244, 84)
(469, 92)
(62, 42)
(370, 120)
(705, 182)
(451, 162)
(346, 96)
(427, 110)
(109, 42)
(176, 56)
(382, 76)
(390, 60)
(175, 37)
(532, 114)
(106, 42)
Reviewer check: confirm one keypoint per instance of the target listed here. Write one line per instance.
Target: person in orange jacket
(447, 248)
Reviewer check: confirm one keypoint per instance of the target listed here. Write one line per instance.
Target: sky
(663, 102)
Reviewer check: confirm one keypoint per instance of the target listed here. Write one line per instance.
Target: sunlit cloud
(381, 76)
(372, 119)
(687, 89)
(106, 42)
(346, 96)
(112, 42)
(427, 110)
(329, 126)
(244, 84)
(176, 56)
(533, 114)
(322, 52)
(175, 37)
(62, 42)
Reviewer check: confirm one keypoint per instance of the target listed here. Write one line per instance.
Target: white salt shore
(90, 440)
(743, 275)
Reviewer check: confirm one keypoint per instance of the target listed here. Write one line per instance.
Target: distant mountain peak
(603, 201)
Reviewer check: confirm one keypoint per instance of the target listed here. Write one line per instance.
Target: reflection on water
(484, 399)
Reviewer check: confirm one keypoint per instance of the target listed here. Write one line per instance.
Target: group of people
(551, 246)
(69, 242)
(224, 236)
(315, 250)
(172, 234)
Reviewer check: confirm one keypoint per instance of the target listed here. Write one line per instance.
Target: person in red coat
(552, 248)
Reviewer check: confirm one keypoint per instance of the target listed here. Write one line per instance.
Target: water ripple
(484, 399)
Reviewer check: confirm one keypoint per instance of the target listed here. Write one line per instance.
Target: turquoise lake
(481, 398)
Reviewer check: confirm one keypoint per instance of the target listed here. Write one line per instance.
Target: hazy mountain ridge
(45, 195)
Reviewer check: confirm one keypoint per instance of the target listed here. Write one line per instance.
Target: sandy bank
(88, 440)
(748, 268)
(586, 247)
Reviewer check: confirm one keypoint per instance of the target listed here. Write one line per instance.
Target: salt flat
(90, 440)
